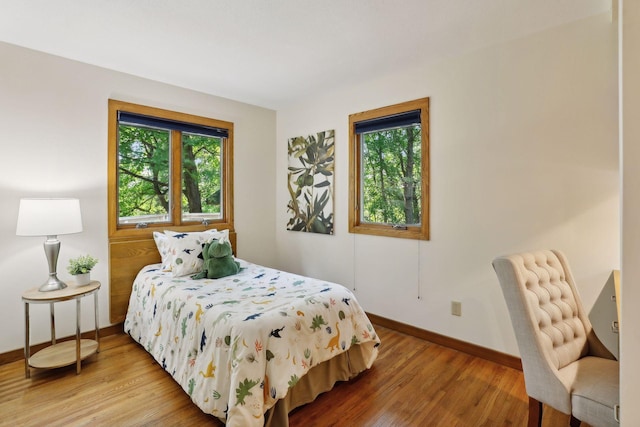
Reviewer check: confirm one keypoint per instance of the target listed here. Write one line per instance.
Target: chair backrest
(544, 305)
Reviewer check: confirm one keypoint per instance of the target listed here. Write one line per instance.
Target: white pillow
(181, 253)
(162, 243)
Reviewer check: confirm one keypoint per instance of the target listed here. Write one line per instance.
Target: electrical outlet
(456, 308)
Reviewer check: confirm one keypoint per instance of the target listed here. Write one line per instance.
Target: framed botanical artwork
(310, 182)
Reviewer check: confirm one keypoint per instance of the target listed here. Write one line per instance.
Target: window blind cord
(418, 281)
(354, 262)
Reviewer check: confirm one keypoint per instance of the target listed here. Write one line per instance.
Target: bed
(250, 347)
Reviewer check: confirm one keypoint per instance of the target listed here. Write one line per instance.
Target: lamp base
(51, 250)
(52, 284)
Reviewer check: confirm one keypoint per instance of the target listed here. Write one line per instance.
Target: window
(389, 171)
(167, 169)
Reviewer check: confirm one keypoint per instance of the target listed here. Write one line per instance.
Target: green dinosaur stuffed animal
(218, 261)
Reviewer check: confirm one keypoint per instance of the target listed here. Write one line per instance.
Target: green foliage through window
(201, 174)
(391, 168)
(143, 173)
(167, 170)
(389, 171)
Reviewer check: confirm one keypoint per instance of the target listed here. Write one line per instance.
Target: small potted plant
(81, 267)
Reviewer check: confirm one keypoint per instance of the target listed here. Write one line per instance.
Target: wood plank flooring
(412, 383)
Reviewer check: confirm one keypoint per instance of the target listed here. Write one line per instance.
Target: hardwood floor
(412, 383)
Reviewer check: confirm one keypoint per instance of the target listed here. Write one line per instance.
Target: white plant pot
(82, 279)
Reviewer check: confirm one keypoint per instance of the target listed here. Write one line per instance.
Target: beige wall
(524, 155)
(53, 121)
(630, 144)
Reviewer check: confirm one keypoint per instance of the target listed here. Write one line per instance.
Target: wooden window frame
(421, 232)
(117, 231)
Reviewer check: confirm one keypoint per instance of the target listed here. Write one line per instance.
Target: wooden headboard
(126, 259)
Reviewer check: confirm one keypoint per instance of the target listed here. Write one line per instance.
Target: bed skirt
(318, 380)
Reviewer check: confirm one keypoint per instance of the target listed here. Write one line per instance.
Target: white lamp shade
(49, 217)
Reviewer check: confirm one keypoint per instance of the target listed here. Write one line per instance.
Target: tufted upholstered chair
(565, 365)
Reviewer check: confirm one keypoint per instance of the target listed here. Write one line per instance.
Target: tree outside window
(143, 174)
(389, 171)
(168, 168)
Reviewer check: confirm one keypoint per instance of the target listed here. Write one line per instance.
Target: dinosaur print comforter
(237, 344)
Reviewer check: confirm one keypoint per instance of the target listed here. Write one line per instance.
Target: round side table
(68, 352)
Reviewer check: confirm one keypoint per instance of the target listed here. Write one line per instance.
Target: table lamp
(49, 217)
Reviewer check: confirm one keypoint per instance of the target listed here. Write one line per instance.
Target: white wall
(630, 274)
(524, 155)
(53, 121)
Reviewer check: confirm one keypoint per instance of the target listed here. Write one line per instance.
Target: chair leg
(574, 422)
(535, 413)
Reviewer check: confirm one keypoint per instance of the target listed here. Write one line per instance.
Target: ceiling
(274, 52)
